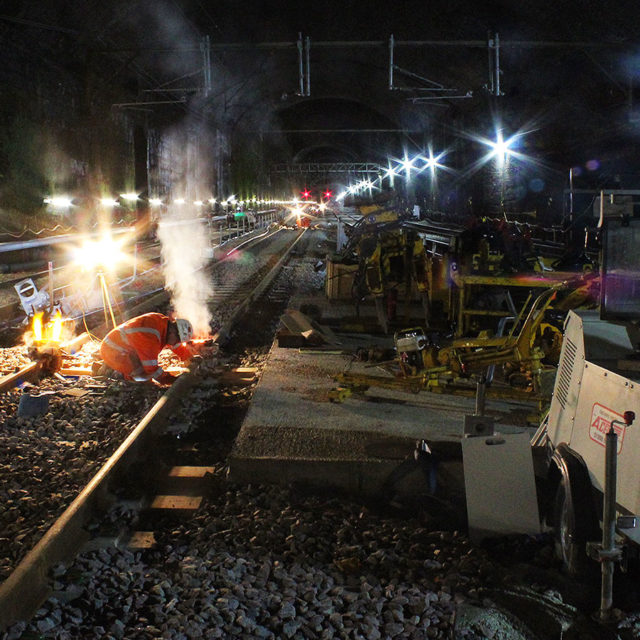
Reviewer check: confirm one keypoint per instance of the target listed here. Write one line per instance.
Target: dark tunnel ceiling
(325, 129)
(576, 97)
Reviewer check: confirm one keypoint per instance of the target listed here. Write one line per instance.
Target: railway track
(95, 401)
(228, 287)
(146, 269)
(264, 562)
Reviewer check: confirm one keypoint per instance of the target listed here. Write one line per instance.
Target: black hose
(22, 266)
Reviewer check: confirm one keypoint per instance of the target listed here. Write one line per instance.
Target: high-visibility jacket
(145, 336)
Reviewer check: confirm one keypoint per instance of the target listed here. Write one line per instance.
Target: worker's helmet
(185, 330)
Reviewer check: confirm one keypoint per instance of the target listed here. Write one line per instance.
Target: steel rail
(50, 240)
(160, 297)
(28, 585)
(31, 371)
(28, 373)
(225, 329)
(7, 308)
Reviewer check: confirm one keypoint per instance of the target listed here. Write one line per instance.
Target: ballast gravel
(265, 562)
(46, 460)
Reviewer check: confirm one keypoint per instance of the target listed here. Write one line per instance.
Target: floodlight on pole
(59, 202)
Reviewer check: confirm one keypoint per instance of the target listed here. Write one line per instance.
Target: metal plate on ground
(500, 486)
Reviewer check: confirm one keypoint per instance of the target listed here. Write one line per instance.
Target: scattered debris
(300, 331)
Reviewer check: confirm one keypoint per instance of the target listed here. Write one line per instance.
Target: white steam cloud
(185, 245)
(183, 234)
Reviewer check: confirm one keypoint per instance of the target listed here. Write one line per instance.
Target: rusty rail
(28, 585)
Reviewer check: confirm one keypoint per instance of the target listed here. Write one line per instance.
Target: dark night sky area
(410, 19)
(575, 100)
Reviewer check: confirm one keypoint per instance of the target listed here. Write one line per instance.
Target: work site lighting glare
(433, 161)
(105, 253)
(155, 202)
(179, 201)
(198, 203)
(417, 164)
(58, 202)
(501, 148)
(129, 197)
(212, 200)
(108, 202)
(407, 165)
(389, 173)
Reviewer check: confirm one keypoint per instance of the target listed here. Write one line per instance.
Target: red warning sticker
(601, 418)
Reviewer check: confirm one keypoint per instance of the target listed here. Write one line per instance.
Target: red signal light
(327, 194)
(306, 194)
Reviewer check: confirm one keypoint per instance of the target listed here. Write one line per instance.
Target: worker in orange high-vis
(132, 348)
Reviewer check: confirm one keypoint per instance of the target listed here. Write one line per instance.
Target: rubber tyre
(568, 547)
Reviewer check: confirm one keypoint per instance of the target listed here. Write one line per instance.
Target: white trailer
(591, 393)
(592, 448)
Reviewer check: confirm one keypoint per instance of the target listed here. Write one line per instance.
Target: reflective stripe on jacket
(145, 335)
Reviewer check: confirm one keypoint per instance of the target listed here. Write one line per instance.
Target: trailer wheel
(569, 550)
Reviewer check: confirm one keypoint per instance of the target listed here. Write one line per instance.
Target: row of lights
(499, 149)
(64, 202)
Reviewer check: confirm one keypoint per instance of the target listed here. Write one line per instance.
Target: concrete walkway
(293, 433)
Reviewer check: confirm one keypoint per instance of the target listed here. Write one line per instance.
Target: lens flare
(105, 252)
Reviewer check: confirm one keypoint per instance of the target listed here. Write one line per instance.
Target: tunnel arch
(325, 153)
(345, 127)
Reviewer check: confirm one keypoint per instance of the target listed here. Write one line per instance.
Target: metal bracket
(304, 66)
(437, 90)
(31, 299)
(597, 553)
(493, 51)
(627, 522)
(475, 425)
